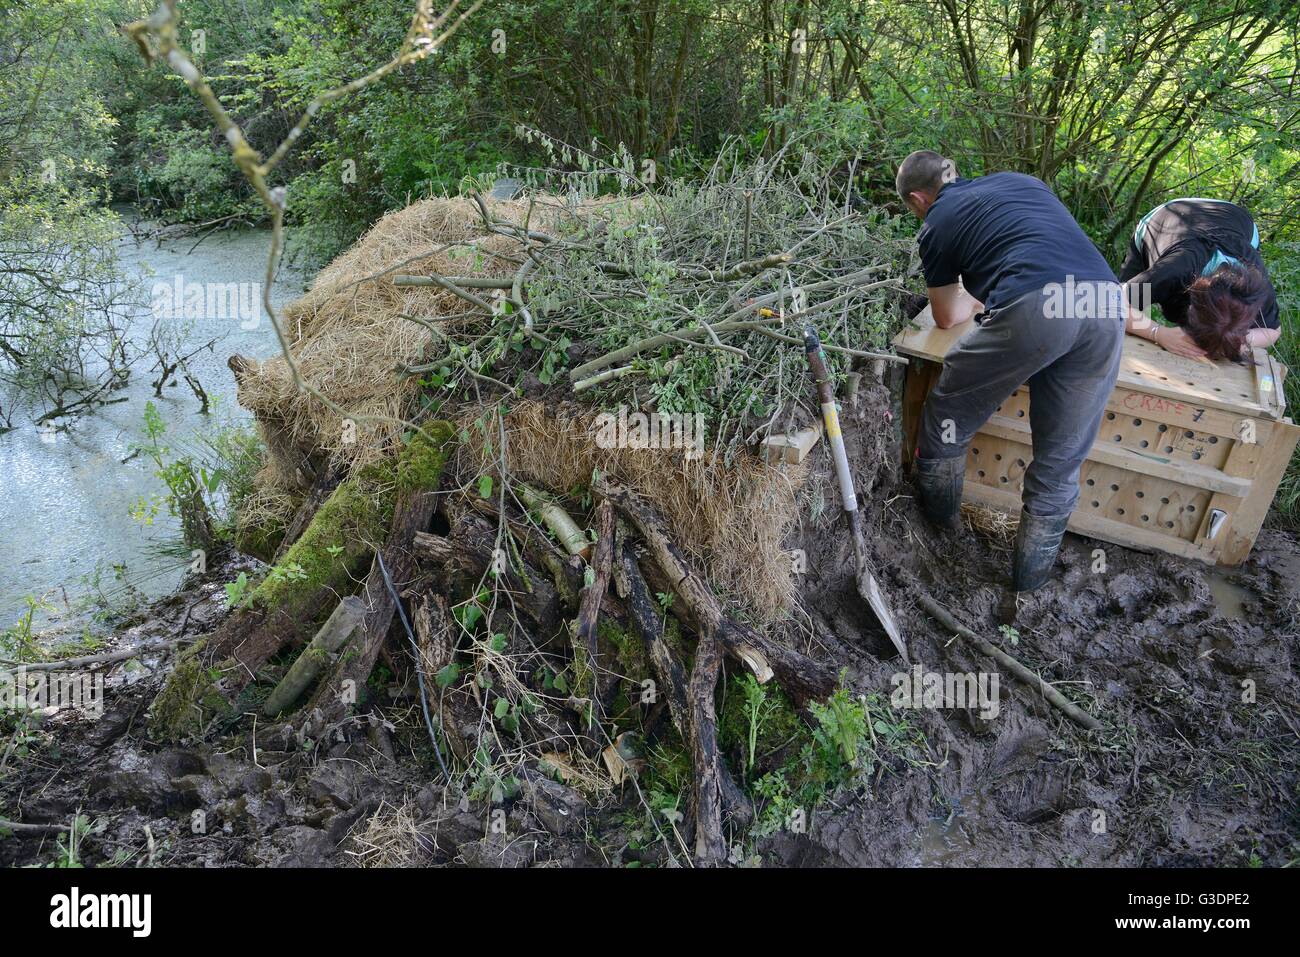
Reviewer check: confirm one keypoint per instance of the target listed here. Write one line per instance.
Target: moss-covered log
(418, 475)
(326, 563)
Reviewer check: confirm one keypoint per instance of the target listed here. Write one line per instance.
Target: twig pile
(687, 300)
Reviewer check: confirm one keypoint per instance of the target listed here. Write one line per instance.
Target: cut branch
(1034, 681)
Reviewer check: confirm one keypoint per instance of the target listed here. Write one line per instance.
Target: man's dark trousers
(1069, 357)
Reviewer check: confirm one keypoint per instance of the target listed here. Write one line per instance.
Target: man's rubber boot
(940, 481)
(1037, 541)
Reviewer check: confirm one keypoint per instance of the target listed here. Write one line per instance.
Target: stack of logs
(548, 599)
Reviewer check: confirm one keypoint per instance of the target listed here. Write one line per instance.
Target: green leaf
(502, 707)
(485, 486)
(448, 675)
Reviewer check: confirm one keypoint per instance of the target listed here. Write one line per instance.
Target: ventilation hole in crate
(1214, 440)
(1164, 501)
(1146, 518)
(1003, 479)
(1169, 448)
(1162, 427)
(1141, 494)
(997, 456)
(1118, 437)
(974, 451)
(1110, 416)
(1020, 414)
(1137, 422)
(1119, 511)
(1144, 443)
(1020, 462)
(1196, 455)
(1217, 389)
(1191, 508)
(1091, 482)
(1164, 378)
(1114, 488)
(980, 473)
(1096, 504)
(1169, 524)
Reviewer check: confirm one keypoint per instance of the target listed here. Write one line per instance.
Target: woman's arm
(1170, 338)
(1160, 284)
(1263, 337)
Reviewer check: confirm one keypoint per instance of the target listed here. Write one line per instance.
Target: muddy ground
(1191, 670)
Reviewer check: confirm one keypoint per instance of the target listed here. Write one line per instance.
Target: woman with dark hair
(1199, 259)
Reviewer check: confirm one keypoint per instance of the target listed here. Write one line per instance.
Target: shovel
(867, 586)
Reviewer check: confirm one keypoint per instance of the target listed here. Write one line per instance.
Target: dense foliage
(1118, 104)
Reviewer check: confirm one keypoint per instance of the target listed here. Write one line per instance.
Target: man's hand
(952, 305)
(1177, 341)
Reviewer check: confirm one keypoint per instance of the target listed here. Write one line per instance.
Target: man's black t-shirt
(1186, 238)
(1005, 234)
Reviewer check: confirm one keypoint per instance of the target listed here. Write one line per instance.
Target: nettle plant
(189, 484)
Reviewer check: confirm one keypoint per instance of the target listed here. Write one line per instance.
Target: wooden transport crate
(1187, 460)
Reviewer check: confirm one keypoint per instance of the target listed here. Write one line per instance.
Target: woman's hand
(1176, 340)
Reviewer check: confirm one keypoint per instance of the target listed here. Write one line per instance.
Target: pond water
(66, 497)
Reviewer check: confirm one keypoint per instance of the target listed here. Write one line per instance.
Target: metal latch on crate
(1217, 518)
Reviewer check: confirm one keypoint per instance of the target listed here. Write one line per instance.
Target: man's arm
(952, 305)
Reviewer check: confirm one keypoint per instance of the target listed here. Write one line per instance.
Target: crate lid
(1253, 391)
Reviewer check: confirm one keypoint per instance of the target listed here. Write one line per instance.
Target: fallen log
(643, 615)
(706, 761)
(321, 565)
(801, 677)
(602, 678)
(1034, 681)
(347, 618)
(434, 634)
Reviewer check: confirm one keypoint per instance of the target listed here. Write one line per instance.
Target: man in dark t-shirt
(1004, 251)
(1185, 248)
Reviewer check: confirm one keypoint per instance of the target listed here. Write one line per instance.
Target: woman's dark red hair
(1222, 309)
